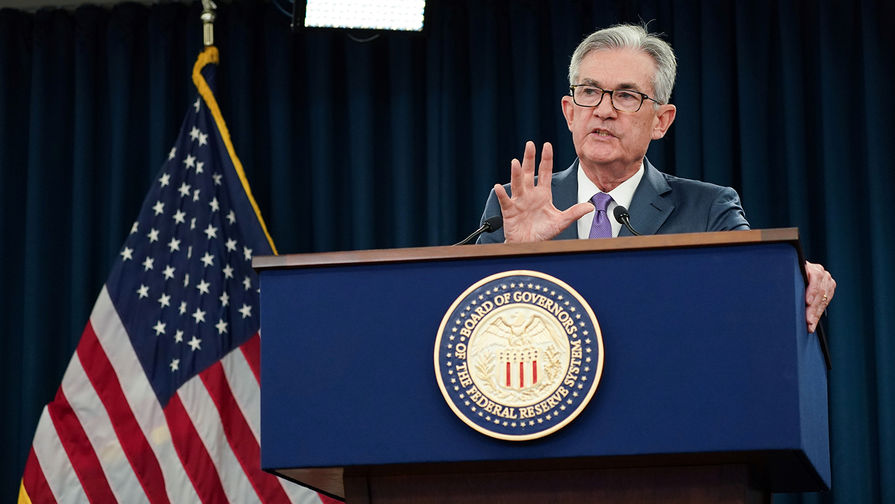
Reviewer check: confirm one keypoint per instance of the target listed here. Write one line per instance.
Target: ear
(664, 117)
(568, 110)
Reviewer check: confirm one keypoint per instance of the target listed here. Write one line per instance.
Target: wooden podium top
(378, 256)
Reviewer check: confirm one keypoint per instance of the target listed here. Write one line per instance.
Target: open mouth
(602, 133)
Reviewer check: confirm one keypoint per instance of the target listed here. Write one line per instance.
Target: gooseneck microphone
(622, 216)
(490, 225)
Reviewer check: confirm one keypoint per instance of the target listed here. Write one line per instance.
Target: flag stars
(203, 287)
(225, 299)
(199, 315)
(152, 235)
(231, 245)
(217, 178)
(179, 217)
(231, 217)
(169, 272)
(246, 311)
(147, 263)
(196, 195)
(203, 138)
(228, 271)
(194, 133)
(172, 153)
(127, 253)
(165, 300)
(215, 206)
(184, 190)
(208, 259)
(195, 343)
(178, 336)
(174, 245)
(175, 365)
(158, 208)
(143, 291)
(186, 280)
(211, 232)
(182, 309)
(221, 326)
(189, 161)
(247, 282)
(199, 167)
(135, 227)
(247, 252)
(196, 105)
(159, 328)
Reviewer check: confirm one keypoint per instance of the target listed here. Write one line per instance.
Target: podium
(711, 390)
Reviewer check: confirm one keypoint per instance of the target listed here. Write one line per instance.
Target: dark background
(395, 142)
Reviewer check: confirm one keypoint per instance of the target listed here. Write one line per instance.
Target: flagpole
(208, 8)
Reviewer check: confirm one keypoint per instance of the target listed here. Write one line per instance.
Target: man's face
(603, 136)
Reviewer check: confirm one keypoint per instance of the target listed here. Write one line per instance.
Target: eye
(627, 97)
(588, 91)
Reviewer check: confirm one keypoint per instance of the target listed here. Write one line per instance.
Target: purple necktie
(601, 228)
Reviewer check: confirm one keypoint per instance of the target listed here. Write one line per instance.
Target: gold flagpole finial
(208, 8)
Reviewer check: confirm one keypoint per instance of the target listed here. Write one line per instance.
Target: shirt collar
(621, 195)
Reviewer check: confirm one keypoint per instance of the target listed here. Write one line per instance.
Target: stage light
(404, 15)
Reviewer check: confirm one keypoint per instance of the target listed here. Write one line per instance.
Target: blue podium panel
(706, 352)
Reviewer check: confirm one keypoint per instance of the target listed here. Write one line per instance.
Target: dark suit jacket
(662, 204)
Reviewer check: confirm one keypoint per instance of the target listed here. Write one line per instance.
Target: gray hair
(636, 37)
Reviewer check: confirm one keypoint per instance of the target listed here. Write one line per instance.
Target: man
(620, 80)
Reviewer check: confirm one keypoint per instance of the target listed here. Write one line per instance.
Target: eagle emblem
(518, 355)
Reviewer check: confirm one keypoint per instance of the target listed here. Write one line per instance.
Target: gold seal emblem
(518, 355)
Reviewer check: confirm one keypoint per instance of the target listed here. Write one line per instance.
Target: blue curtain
(395, 142)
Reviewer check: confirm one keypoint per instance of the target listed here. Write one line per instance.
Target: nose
(604, 108)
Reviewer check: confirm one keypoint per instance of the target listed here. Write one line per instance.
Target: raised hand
(529, 215)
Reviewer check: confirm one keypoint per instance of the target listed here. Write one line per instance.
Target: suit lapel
(565, 194)
(649, 207)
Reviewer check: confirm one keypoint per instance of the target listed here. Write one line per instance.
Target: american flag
(160, 402)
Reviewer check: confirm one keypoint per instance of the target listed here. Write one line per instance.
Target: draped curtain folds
(396, 142)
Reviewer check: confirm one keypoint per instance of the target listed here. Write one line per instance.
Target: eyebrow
(623, 85)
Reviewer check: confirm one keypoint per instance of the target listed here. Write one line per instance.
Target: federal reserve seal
(518, 355)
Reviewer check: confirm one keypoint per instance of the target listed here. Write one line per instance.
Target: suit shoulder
(692, 185)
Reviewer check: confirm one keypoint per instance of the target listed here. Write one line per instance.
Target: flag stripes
(103, 438)
(252, 351)
(75, 443)
(58, 471)
(161, 401)
(119, 425)
(138, 395)
(200, 408)
(33, 478)
(246, 391)
(240, 436)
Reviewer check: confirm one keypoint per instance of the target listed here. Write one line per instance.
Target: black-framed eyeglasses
(623, 100)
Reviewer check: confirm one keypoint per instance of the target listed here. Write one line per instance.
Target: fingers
(818, 294)
(545, 168)
(517, 183)
(578, 211)
(522, 174)
(503, 199)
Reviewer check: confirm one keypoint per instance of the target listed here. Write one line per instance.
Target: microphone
(490, 225)
(622, 216)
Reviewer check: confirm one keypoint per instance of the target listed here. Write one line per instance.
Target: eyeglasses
(623, 100)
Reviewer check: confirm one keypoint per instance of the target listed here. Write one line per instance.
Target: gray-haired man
(620, 81)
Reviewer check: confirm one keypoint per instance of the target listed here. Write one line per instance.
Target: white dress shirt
(621, 195)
